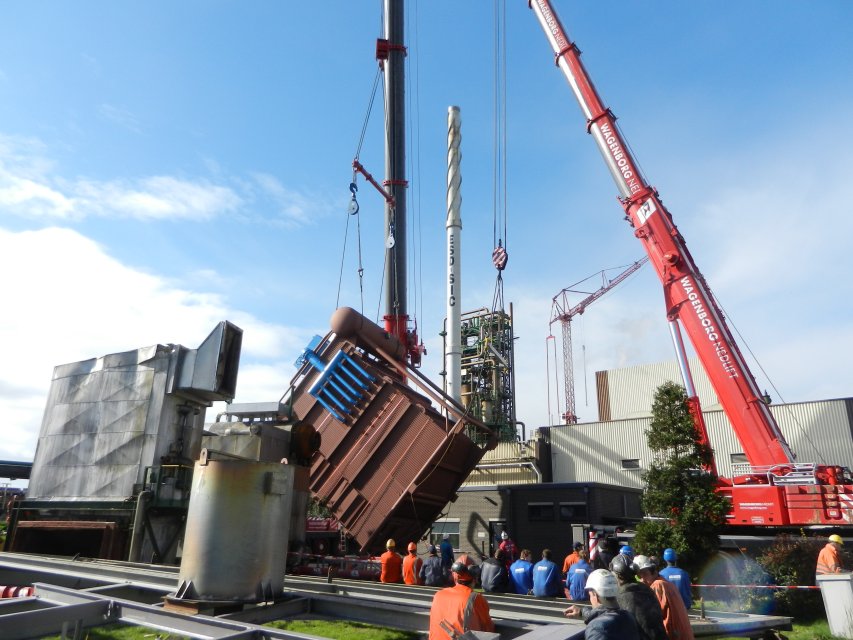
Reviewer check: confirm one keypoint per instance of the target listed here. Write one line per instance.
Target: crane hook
(353, 203)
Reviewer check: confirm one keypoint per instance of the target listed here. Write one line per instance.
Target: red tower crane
(560, 311)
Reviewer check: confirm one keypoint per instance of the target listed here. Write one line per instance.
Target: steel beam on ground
(43, 621)
(68, 604)
(134, 592)
(68, 571)
(504, 606)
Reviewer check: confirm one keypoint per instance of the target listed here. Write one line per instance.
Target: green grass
(817, 630)
(123, 632)
(341, 630)
(332, 629)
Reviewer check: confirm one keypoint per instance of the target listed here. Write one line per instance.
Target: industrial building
(550, 490)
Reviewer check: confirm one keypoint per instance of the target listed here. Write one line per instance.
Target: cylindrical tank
(235, 546)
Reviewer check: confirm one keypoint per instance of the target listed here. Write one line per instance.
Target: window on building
(450, 527)
(573, 511)
(633, 463)
(739, 458)
(540, 511)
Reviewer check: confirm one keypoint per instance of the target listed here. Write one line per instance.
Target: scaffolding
(488, 377)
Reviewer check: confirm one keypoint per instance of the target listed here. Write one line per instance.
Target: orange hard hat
(413, 546)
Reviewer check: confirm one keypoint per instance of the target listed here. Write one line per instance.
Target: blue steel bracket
(341, 383)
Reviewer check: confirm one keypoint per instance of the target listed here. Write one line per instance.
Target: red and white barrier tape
(755, 586)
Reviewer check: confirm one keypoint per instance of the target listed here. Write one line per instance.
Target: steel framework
(560, 311)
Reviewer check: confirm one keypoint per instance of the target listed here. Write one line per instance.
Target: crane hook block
(352, 209)
(500, 258)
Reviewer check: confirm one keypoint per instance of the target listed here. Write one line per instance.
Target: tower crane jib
(562, 312)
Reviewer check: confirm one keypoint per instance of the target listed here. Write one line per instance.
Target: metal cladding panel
(593, 452)
(509, 452)
(627, 393)
(508, 463)
(819, 432)
(493, 477)
(103, 425)
(388, 471)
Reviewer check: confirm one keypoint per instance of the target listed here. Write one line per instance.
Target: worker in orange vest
(392, 563)
(458, 609)
(570, 559)
(412, 565)
(829, 559)
(675, 619)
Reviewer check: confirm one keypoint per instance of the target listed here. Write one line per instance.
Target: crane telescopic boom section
(687, 296)
(391, 52)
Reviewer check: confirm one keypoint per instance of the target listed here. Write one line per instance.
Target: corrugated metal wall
(106, 420)
(819, 432)
(626, 393)
(593, 452)
(508, 463)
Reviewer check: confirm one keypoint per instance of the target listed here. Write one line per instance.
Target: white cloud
(29, 189)
(38, 199)
(154, 198)
(67, 300)
(122, 117)
(292, 207)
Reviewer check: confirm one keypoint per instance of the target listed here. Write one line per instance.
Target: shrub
(790, 561)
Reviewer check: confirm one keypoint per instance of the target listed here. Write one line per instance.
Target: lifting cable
(499, 221)
(353, 208)
(791, 414)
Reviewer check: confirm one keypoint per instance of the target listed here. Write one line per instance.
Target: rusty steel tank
(235, 545)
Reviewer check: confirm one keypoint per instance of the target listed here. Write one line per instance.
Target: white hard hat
(603, 583)
(446, 536)
(504, 535)
(643, 562)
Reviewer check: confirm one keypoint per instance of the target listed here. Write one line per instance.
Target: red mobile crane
(774, 490)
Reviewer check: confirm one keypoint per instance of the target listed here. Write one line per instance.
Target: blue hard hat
(669, 555)
(626, 550)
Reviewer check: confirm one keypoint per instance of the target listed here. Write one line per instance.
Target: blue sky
(165, 165)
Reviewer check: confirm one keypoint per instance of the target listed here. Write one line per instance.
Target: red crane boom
(789, 493)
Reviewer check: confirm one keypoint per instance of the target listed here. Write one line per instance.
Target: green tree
(683, 509)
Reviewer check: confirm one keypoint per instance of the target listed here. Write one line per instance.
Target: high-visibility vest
(828, 560)
(392, 567)
(459, 608)
(412, 569)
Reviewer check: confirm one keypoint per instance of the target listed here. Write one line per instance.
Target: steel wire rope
(793, 415)
(437, 466)
(360, 271)
(503, 123)
(499, 197)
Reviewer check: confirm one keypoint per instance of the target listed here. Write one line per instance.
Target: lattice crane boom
(560, 311)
